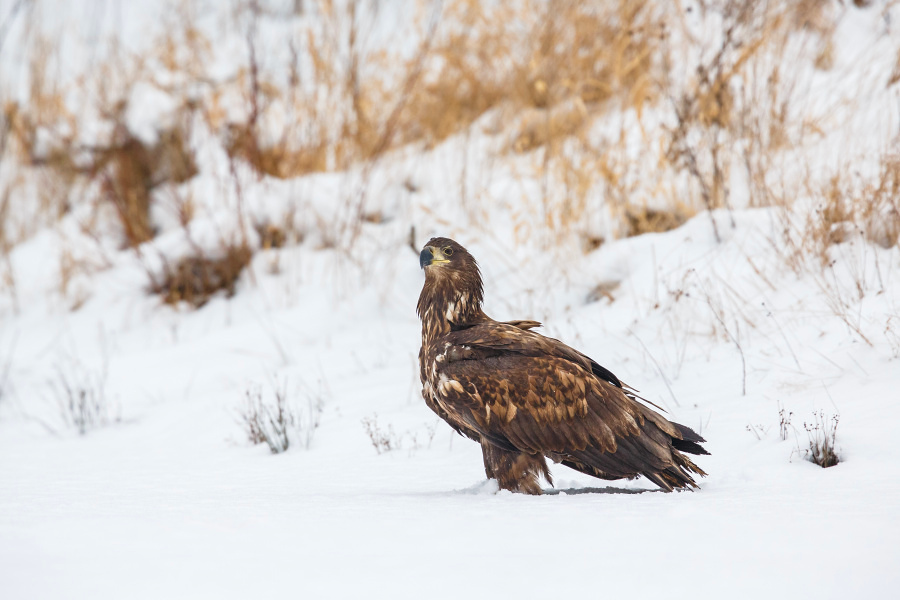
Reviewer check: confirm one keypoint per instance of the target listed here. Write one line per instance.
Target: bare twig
(658, 368)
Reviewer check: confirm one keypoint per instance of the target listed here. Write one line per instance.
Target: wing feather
(516, 388)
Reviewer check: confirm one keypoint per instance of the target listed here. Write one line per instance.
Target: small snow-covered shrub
(277, 421)
(81, 396)
(784, 426)
(784, 422)
(822, 433)
(388, 440)
(383, 440)
(266, 422)
(759, 430)
(195, 279)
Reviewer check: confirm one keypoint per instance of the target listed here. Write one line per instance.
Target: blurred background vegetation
(644, 111)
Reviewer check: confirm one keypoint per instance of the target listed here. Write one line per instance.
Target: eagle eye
(448, 251)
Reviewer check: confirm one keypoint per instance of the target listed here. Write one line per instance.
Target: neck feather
(449, 303)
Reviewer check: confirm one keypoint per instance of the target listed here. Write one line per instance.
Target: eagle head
(446, 253)
(452, 281)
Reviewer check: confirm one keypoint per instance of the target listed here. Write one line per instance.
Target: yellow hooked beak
(432, 256)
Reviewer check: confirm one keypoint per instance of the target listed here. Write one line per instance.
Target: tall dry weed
(587, 92)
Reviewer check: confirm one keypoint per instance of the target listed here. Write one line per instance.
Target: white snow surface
(168, 499)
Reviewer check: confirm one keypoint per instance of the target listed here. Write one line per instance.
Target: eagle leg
(515, 471)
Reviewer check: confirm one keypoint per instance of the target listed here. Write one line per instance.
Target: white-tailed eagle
(524, 396)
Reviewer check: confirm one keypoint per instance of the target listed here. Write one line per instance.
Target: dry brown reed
(195, 279)
(847, 205)
(549, 72)
(648, 220)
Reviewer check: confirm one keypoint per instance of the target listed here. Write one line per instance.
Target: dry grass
(822, 434)
(891, 334)
(38, 134)
(383, 440)
(895, 74)
(847, 205)
(80, 394)
(569, 53)
(270, 235)
(7, 278)
(784, 423)
(125, 168)
(550, 76)
(734, 111)
(129, 171)
(879, 205)
(277, 419)
(648, 220)
(195, 279)
(268, 424)
(388, 440)
(279, 159)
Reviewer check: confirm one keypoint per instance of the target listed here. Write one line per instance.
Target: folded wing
(520, 390)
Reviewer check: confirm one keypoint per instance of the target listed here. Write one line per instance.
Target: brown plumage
(524, 396)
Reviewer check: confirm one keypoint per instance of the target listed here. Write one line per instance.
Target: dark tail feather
(689, 442)
(689, 447)
(678, 476)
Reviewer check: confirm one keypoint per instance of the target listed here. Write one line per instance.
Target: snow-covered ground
(167, 498)
(171, 501)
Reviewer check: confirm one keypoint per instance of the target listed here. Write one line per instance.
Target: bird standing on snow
(524, 396)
